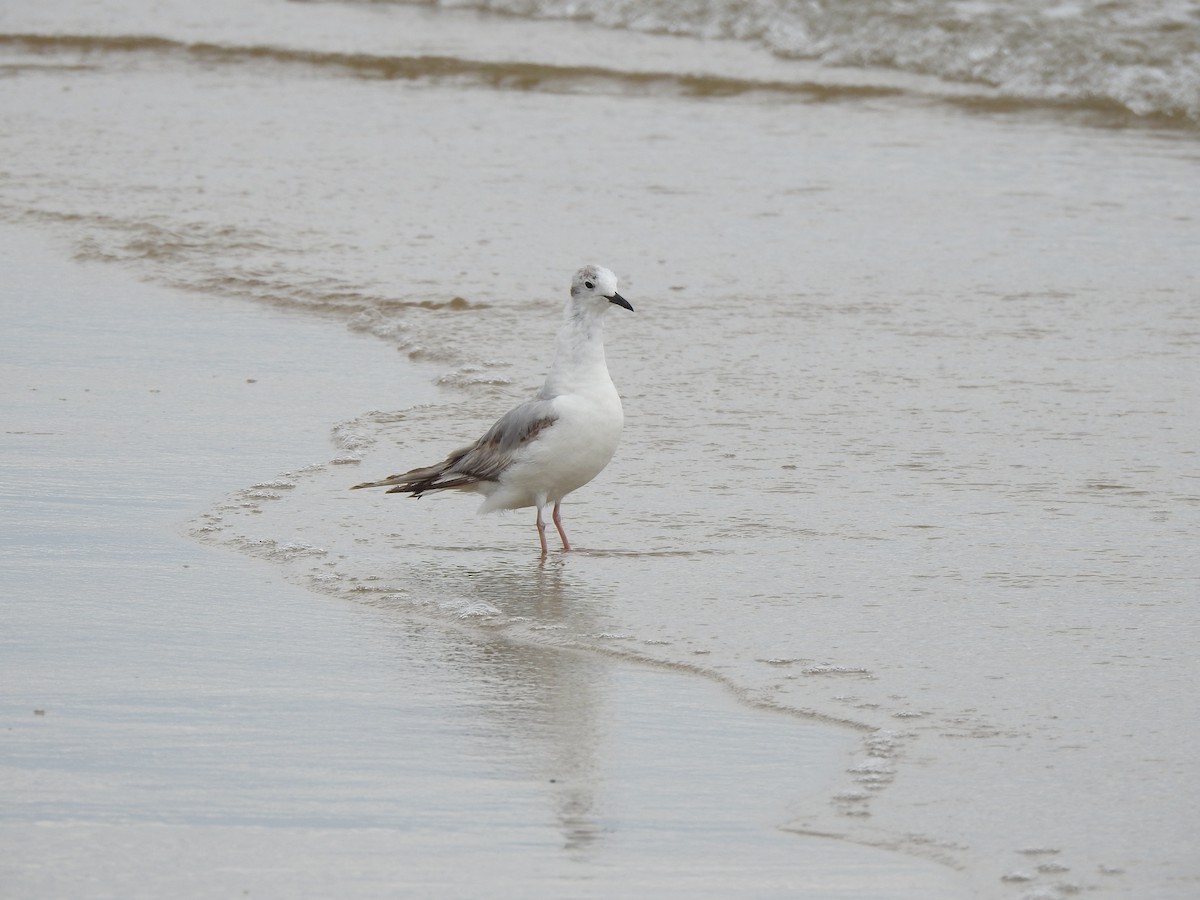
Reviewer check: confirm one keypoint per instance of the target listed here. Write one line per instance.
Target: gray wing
(484, 460)
(493, 453)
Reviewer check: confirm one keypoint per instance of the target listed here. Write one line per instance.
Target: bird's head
(598, 285)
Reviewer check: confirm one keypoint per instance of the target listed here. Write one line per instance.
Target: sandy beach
(888, 592)
(180, 722)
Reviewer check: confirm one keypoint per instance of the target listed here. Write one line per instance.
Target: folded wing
(483, 461)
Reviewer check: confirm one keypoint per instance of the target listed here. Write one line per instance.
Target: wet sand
(182, 722)
(911, 391)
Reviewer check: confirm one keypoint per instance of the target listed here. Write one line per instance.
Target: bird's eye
(588, 285)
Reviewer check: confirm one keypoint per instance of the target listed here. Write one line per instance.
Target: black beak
(620, 301)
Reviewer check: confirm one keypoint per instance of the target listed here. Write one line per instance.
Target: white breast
(565, 456)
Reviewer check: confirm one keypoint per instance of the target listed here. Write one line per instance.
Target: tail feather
(417, 488)
(416, 482)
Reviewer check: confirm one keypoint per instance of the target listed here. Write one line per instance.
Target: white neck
(579, 362)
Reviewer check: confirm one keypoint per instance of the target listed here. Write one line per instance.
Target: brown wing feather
(482, 461)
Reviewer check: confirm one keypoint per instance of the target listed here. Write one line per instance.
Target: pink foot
(558, 524)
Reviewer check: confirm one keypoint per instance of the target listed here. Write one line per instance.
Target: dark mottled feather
(482, 461)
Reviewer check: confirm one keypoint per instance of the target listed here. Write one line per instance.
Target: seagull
(549, 446)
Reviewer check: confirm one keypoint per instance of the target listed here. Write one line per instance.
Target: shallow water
(178, 722)
(1134, 56)
(910, 392)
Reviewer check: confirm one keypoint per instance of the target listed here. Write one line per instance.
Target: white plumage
(549, 446)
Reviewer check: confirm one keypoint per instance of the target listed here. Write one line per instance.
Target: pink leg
(558, 524)
(541, 527)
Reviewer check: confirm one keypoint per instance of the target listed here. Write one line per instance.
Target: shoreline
(912, 419)
(195, 705)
